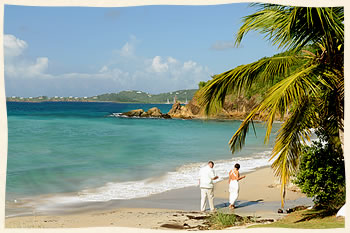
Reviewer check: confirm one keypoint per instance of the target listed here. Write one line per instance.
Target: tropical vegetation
(322, 178)
(306, 219)
(305, 82)
(131, 96)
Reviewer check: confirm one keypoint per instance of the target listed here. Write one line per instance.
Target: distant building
(139, 92)
(85, 97)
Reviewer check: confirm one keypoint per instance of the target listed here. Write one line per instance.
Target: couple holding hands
(206, 178)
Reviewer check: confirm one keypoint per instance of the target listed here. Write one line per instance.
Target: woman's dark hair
(237, 166)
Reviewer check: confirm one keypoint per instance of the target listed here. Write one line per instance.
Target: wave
(184, 176)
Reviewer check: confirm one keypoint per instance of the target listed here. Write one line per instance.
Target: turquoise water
(56, 148)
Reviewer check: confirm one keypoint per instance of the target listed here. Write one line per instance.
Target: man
(206, 178)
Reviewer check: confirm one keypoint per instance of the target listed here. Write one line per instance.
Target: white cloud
(19, 67)
(127, 70)
(112, 14)
(25, 69)
(128, 48)
(39, 67)
(103, 69)
(13, 46)
(158, 66)
(172, 60)
(223, 45)
(189, 65)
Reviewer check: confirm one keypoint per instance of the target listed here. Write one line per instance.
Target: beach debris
(297, 208)
(172, 226)
(197, 217)
(280, 211)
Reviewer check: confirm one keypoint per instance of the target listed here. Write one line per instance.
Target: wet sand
(259, 196)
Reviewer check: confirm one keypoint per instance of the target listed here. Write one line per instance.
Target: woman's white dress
(233, 189)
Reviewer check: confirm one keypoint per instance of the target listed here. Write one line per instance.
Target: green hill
(121, 97)
(144, 97)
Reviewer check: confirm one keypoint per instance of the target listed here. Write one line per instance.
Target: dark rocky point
(151, 113)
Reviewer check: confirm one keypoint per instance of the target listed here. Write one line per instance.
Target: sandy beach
(259, 196)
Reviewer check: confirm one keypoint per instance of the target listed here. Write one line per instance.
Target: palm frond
(294, 131)
(294, 27)
(241, 78)
(285, 93)
(278, 99)
(237, 141)
(314, 93)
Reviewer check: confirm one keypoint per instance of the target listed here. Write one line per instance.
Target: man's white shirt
(206, 174)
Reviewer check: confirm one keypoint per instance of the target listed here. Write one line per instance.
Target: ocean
(70, 152)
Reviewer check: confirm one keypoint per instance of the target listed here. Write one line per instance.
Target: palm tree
(306, 81)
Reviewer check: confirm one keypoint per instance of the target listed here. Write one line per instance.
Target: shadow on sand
(240, 204)
(315, 214)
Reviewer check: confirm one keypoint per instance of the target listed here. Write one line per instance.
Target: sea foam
(184, 176)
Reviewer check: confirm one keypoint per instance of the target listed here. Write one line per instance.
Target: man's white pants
(207, 193)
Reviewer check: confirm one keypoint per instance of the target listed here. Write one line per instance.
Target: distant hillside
(121, 97)
(144, 97)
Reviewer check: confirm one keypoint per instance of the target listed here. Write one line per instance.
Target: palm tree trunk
(341, 135)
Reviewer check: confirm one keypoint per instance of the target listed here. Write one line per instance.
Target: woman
(234, 177)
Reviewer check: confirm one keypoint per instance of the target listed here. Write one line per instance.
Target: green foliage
(306, 219)
(305, 83)
(202, 84)
(222, 220)
(121, 97)
(143, 97)
(321, 175)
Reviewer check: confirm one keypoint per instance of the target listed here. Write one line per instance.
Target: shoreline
(205, 118)
(155, 210)
(182, 179)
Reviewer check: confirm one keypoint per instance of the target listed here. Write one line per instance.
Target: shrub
(321, 175)
(222, 220)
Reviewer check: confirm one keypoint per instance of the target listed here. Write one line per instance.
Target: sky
(86, 51)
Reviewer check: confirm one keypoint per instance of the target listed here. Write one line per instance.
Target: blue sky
(85, 51)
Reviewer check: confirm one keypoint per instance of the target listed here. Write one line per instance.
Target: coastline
(259, 196)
